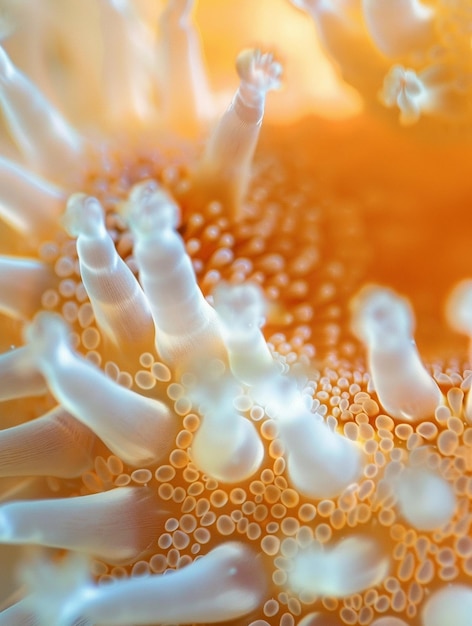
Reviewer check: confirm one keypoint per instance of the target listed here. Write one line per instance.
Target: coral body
(213, 407)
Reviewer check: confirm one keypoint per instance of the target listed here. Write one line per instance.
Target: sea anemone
(213, 406)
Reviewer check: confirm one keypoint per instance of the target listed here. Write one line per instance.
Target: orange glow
(162, 414)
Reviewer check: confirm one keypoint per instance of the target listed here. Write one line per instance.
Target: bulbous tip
(150, 209)
(45, 331)
(84, 215)
(240, 306)
(403, 88)
(259, 70)
(425, 499)
(379, 314)
(451, 604)
(459, 307)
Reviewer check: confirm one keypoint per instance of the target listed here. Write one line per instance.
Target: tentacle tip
(240, 305)
(54, 590)
(45, 331)
(378, 312)
(403, 88)
(83, 216)
(150, 209)
(258, 69)
(459, 307)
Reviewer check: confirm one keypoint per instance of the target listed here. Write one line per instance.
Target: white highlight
(119, 304)
(350, 566)
(400, 27)
(116, 525)
(449, 605)
(426, 500)
(22, 283)
(186, 325)
(44, 137)
(241, 312)
(139, 430)
(383, 321)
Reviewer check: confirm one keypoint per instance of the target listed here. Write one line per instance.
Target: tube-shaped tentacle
(228, 155)
(240, 311)
(19, 377)
(116, 525)
(425, 499)
(225, 584)
(127, 60)
(186, 324)
(137, 429)
(227, 445)
(451, 604)
(22, 283)
(19, 614)
(185, 93)
(384, 323)
(400, 27)
(55, 444)
(348, 567)
(45, 138)
(119, 304)
(28, 203)
(320, 463)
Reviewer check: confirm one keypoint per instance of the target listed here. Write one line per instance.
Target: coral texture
(213, 406)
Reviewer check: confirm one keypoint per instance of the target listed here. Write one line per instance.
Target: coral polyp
(214, 409)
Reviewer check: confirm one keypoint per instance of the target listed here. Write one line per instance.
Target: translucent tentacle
(186, 325)
(384, 323)
(22, 283)
(348, 567)
(431, 92)
(49, 144)
(31, 205)
(55, 444)
(116, 525)
(320, 463)
(186, 97)
(241, 314)
(400, 27)
(228, 155)
(425, 499)
(127, 63)
(119, 304)
(223, 585)
(448, 604)
(137, 429)
(19, 377)
(19, 614)
(226, 446)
